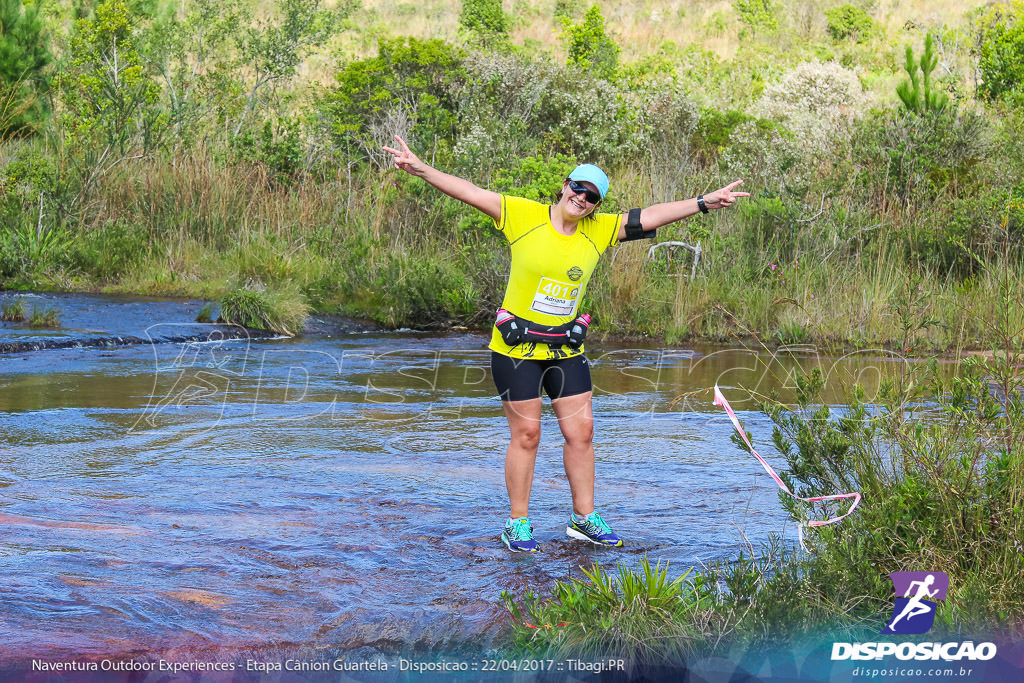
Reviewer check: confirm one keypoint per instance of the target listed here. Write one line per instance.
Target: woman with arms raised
(537, 341)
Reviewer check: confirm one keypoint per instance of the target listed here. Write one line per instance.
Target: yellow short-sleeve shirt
(550, 271)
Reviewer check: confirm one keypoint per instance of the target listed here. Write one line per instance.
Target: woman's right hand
(405, 159)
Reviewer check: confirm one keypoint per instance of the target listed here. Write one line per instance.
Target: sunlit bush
(849, 22)
(589, 46)
(499, 105)
(816, 101)
(760, 15)
(484, 21)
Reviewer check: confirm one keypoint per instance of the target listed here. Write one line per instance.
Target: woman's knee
(579, 432)
(526, 435)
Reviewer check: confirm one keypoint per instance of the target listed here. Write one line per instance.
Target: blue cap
(591, 174)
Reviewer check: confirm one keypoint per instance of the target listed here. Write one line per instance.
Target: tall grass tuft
(639, 615)
(282, 310)
(44, 317)
(13, 311)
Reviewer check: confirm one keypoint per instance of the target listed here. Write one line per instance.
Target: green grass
(44, 317)
(414, 267)
(13, 311)
(638, 614)
(283, 311)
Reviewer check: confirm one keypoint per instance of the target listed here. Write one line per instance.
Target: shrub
(10, 261)
(562, 10)
(595, 126)
(757, 14)
(485, 21)
(510, 107)
(763, 153)
(412, 76)
(769, 228)
(938, 462)
(31, 175)
(107, 91)
(849, 22)
(905, 157)
(272, 50)
(277, 147)
(111, 250)
(501, 117)
(589, 46)
(714, 130)
(1000, 50)
(424, 293)
(960, 236)
(665, 124)
(816, 101)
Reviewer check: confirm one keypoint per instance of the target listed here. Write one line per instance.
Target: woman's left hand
(719, 199)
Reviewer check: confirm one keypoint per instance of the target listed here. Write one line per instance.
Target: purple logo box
(939, 582)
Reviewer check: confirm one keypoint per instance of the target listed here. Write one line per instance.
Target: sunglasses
(579, 188)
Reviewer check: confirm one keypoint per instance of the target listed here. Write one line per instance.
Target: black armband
(634, 230)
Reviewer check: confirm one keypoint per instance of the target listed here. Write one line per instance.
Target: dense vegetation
(200, 148)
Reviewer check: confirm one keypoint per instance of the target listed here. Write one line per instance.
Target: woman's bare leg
(521, 456)
(576, 420)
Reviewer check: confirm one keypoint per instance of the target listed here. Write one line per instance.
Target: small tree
(191, 56)
(590, 48)
(917, 94)
(24, 56)
(485, 21)
(275, 48)
(106, 90)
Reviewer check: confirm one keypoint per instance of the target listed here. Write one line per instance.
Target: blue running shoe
(594, 529)
(518, 536)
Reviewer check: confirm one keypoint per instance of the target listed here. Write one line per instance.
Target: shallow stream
(342, 490)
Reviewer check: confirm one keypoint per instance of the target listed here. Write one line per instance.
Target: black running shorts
(522, 379)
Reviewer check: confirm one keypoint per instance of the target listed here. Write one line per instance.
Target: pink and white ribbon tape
(720, 401)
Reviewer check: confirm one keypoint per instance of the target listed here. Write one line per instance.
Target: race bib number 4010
(555, 298)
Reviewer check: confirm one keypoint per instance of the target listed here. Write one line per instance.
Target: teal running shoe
(518, 536)
(594, 529)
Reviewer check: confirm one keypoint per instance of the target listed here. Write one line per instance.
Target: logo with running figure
(575, 273)
(917, 594)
